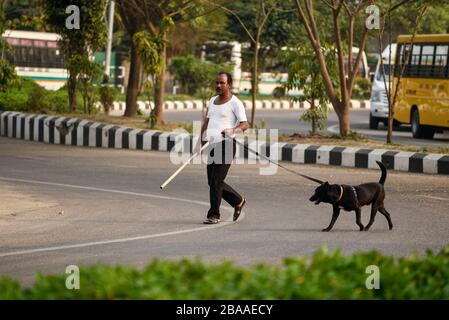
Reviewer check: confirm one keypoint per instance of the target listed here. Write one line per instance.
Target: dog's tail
(383, 177)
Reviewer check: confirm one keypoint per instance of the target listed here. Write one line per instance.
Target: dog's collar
(341, 193)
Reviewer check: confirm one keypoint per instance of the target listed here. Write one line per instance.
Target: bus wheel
(373, 122)
(419, 131)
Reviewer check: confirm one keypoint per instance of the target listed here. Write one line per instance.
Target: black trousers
(217, 169)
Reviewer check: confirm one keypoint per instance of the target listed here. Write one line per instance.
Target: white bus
(37, 56)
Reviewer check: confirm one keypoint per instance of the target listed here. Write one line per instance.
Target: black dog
(352, 198)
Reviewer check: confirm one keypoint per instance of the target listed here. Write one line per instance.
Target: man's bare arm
(203, 129)
(243, 125)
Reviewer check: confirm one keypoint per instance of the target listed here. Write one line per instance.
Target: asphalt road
(64, 205)
(287, 122)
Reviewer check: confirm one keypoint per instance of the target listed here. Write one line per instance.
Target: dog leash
(279, 165)
(274, 162)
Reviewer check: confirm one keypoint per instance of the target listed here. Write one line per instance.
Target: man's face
(221, 84)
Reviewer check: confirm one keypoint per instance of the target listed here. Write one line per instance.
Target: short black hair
(228, 76)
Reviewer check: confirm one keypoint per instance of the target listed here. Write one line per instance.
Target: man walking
(225, 117)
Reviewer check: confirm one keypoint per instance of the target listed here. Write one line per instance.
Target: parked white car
(379, 99)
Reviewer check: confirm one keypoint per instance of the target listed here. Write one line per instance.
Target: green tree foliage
(148, 47)
(252, 16)
(7, 72)
(197, 77)
(26, 15)
(403, 20)
(153, 17)
(77, 44)
(277, 31)
(191, 35)
(347, 18)
(90, 73)
(304, 75)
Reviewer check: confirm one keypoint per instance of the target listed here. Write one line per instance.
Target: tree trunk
(314, 120)
(132, 92)
(254, 82)
(343, 107)
(84, 103)
(159, 88)
(390, 105)
(343, 117)
(72, 92)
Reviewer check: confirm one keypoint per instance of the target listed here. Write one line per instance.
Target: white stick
(183, 166)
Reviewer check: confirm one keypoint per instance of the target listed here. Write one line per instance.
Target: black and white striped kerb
(146, 106)
(77, 132)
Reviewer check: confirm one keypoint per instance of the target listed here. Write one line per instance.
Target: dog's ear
(326, 184)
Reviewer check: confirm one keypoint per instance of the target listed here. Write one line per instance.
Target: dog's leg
(387, 215)
(358, 218)
(335, 215)
(374, 209)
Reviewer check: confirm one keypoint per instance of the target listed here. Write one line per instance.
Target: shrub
(57, 101)
(13, 100)
(15, 97)
(107, 97)
(27, 96)
(362, 89)
(325, 275)
(37, 101)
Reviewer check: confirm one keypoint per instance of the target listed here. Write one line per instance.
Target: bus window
(426, 61)
(416, 52)
(441, 61)
(427, 55)
(441, 56)
(404, 63)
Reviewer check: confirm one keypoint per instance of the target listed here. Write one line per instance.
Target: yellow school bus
(423, 93)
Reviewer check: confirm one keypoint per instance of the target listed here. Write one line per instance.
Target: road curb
(78, 132)
(146, 106)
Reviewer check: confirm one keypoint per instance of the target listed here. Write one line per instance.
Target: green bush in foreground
(325, 275)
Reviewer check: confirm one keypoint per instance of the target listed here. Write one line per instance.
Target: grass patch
(355, 140)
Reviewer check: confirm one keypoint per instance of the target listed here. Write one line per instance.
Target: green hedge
(325, 275)
(27, 96)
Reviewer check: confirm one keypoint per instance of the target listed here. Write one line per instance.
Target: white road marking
(121, 240)
(334, 129)
(436, 198)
